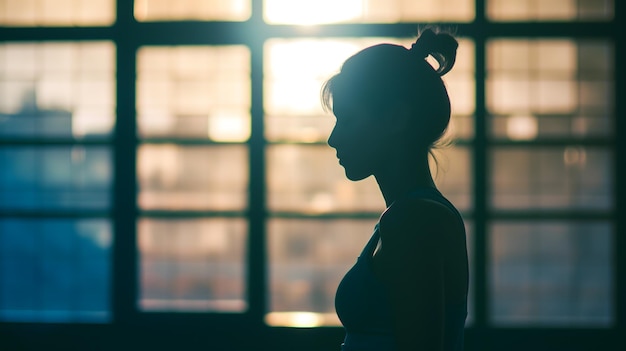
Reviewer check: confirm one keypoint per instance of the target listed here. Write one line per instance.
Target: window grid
(125, 163)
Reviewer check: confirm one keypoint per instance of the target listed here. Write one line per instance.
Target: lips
(340, 158)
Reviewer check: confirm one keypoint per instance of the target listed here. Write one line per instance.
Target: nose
(332, 138)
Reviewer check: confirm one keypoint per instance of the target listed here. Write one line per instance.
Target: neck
(399, 177)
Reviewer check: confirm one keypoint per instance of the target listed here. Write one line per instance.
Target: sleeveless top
(362, 302)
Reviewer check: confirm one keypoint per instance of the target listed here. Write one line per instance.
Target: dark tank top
(362, 302)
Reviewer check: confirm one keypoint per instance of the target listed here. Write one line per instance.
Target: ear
(399, 118)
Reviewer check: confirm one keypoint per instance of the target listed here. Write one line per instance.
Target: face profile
(357, 139)
(392, 100)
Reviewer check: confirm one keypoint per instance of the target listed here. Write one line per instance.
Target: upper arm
(411, 262)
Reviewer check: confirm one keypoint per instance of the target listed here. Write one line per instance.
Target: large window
(168, 159)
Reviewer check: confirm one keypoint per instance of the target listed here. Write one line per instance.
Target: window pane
(295, 71)
(551, 273)
(461, 85)
(542, 10)
(452, 174)
(175, 177)
(182, 10)
(55, 177)
(54, 270)
(308, 178)
(194, 92)
(192, 264)
(571, 177)
(57, 89)
(307, 259)
(30, 13)
(550, 88)
(309, 12)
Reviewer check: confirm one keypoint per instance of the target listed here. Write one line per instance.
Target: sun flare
(311, 12)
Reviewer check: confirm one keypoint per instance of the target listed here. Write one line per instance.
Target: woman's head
(384, 80)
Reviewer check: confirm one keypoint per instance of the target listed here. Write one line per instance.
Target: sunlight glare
(521, 127)
(295, 319)
(297, 70)
(322, 202)
(228, 126)
(312, 12)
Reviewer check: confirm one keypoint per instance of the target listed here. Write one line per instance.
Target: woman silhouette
(408, 289)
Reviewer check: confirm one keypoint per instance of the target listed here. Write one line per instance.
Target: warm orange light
(521, 127)
(301, 319)
(312, 11)
(229, 126)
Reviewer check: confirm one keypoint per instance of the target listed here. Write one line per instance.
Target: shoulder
(414, 213)
(417, 236)
(418, 220)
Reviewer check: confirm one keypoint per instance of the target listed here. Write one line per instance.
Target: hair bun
(441, 46)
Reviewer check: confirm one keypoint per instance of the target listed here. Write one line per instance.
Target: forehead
(344, 106)
(346, 97)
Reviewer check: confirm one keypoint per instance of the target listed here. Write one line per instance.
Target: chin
(355, 176)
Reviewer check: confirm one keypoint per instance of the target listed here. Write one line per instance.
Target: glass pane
(175, 177)
(194, 92)
(571, 177)
(28, 13)
(307, 259)
(295, 71)
(550, 88)
(308, 178)
(55, 270)
(461, 85)
(182, 10)
(55, 177)
(309, 12)
(192, 264)
(452, 173)
(57, 89)
(542, 10)
(551, 273)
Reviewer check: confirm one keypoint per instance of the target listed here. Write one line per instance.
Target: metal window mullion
(124, 254)
(480, 174)
(619, 232)
(256, 259)
(52, 33)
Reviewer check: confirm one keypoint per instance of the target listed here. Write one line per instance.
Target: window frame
(124, 213)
